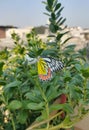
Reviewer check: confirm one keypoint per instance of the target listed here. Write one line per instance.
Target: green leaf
(53, 16)
(56, 107)
(57, 6)
(66, 40)
(58, 21)
(66, 107)
(52, 21)
(4, 54)
(60, 35)
(50, 52)
(72, 47)
(22, 117)
(44, 2)
(48, 9)
(62, 22)
(67, 122)
(78, 67)
(36, 106)
(55, 3)
(12, 84)
(15, 104)
(47, 14)
(67, 76)
(51, 35)
(52, 93)
(34, 96)
(53, 28)
(85, 72)
(32, 54)
(24, 104)
(2, 82)
(40, 50)
(59, 12)
(1, 67)
(87, 85)
(51, 43)
(50, 3)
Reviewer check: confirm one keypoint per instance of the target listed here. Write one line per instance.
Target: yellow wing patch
(42, 67)
(44, 71)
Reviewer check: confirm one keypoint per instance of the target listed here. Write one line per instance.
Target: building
(3, 30)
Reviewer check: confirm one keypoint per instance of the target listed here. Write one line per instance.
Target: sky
(25, 13)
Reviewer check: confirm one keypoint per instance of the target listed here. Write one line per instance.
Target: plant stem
(12, 120)
(85, 89)
(45, 99)
(47, 110)
(43, 122)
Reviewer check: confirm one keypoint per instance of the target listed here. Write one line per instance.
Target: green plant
(27, 103)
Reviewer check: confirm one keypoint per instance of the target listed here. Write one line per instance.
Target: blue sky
(24, 13)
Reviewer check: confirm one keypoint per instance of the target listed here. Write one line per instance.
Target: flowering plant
(28, 103)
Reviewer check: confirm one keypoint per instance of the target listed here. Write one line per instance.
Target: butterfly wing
(54, 64)
(46, 77)
(48, 65)
(30, 60)
(44, 70)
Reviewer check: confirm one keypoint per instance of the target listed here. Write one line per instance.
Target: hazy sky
(24, 13)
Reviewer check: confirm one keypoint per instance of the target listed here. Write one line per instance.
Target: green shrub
(28, 103)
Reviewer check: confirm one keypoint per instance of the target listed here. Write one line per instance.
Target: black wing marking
(54, 64)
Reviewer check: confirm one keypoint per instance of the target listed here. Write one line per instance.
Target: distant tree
(40, 29)
(87, 50)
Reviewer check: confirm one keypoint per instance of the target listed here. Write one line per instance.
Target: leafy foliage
(25, 102)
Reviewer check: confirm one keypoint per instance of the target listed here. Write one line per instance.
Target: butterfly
(46, 66)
